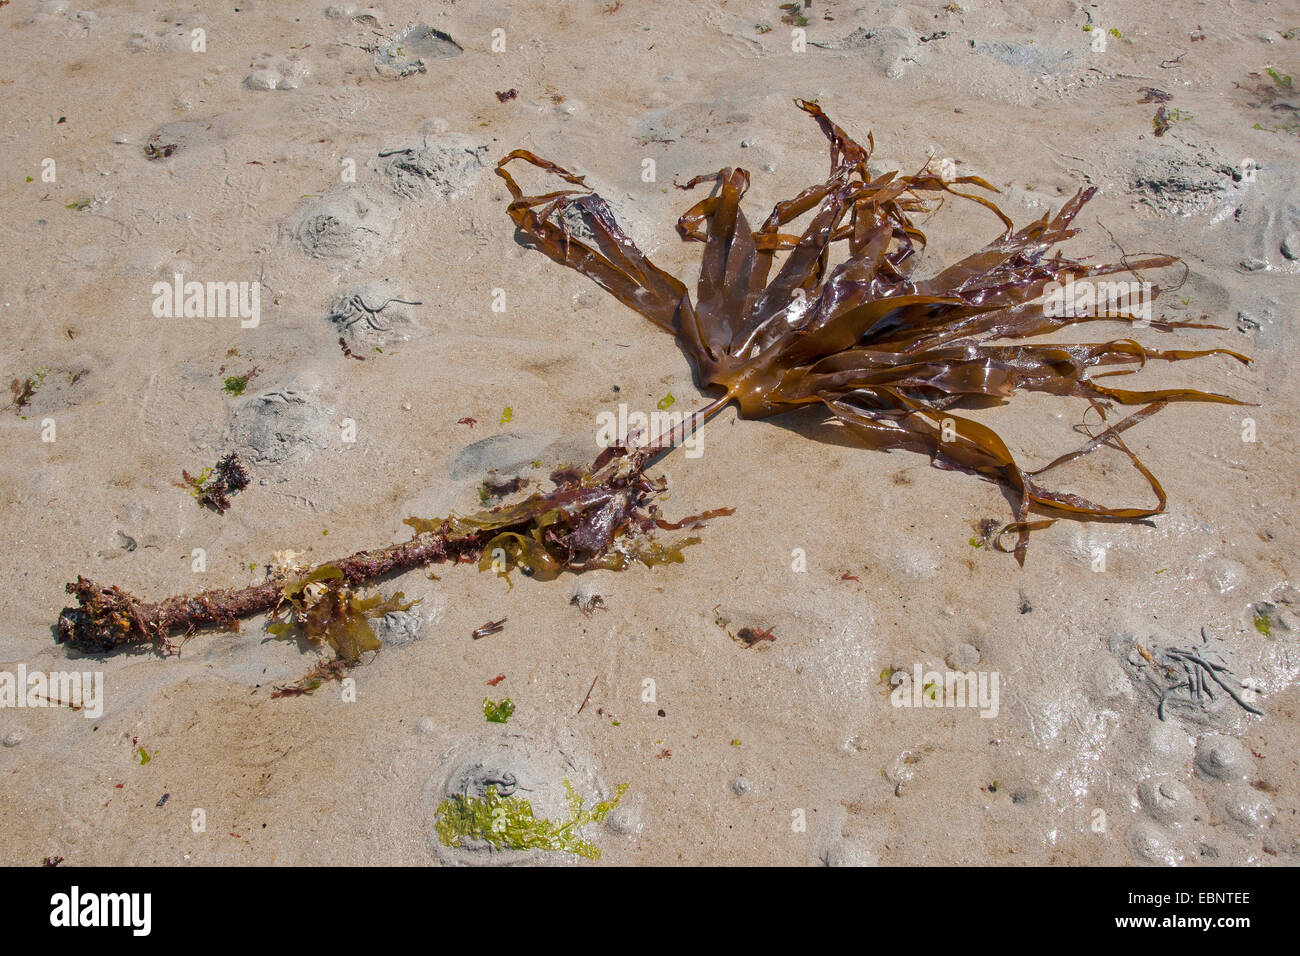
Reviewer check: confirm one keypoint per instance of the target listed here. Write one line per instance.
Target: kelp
(603, 516)
(321, 609)
(599, 519)
(888, 355)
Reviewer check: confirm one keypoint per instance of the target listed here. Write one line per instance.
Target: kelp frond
(886, 354)
(322, 609)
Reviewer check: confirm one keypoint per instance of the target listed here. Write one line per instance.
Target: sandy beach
(383, 342)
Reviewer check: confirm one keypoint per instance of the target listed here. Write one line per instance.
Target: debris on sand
(374, 315)
(488, 629)
(603, 517)
(1192, 681)
(212, 487)
(409, 51)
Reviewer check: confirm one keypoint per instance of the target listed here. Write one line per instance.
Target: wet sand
(788, 752)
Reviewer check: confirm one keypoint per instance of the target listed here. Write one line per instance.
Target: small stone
(121, 139)
(1253, 264)
(426, 725)
(13, 739)
(1291, 246)
(740, 786)
(746, 143)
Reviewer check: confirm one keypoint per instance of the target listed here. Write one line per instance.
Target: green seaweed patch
(498, 713)
(1283, 80)
(1264, 625)
(197, 483)
(508, 823)
(235, 384)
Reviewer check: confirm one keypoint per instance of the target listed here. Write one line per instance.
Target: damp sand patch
(274, 72)
(345, 226)
(187, 136)
(280, 426)
(410, 51)
(445, 168)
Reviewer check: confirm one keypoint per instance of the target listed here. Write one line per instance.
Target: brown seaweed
(603, 516)
(888, 355)
(213, 487)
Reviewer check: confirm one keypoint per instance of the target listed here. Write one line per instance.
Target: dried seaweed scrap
(322, 671)
(604, 516)
(888, 356)
(213, 487)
